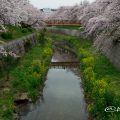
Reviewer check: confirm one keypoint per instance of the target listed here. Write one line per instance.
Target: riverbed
(63, 94)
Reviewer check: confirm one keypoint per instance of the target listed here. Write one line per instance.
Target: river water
(63, 96)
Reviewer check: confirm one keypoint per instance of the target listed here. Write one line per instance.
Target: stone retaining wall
(18, 45)
(75, 33)
(113, 54)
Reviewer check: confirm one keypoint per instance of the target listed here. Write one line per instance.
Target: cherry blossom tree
(61, 14)
(10, 11)
(68, 12)
(16, 11)
(101, 20)
(111, 31)
(34, 16)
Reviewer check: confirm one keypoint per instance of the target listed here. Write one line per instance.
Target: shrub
(84, 53)
(102, 96)
(42, 36)
(88, 62)
(89, 76)
(37, 70)
(7, 59)
(90, 108)
(7, 35)
(38, 66)
(110, 97)
(47, 52)
(100, 87)
(24, 30)
(89, 73)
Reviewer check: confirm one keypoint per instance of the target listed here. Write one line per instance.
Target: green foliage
(7, 106)
(88, 62)
(47, 51)
(42, 36)
(89, 77)
(83, 53)
(7, 60)
(33, 93)
(7, 35)
(102, 95)
(29, 75)
(38, 69)
(30, 29)
(14, 32)
(24, 30)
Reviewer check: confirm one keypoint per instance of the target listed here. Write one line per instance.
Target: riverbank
(101, 78)
(26, 79)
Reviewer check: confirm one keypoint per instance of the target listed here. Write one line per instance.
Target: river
(63, 95)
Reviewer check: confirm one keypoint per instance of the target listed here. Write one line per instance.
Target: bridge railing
(63, 22)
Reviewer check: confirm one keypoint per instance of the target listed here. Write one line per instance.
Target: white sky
(54, 3)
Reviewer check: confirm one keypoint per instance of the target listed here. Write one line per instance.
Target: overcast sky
(54, 3)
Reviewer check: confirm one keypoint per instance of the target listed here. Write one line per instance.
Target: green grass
(101, 72)
(14, 32)
(32, 68)
(24, 76)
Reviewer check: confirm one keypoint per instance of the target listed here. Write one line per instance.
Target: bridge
(73, 64)
(63, 22)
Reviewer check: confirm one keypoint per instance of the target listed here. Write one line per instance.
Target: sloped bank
(100, 77)
(18, 45)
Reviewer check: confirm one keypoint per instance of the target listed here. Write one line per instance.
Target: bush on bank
(98, 90)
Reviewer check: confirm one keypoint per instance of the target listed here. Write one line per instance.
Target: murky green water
(63, 97)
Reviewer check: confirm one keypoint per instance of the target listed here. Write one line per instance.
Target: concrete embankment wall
(18, 45)
(75, 33)
(113, 53)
